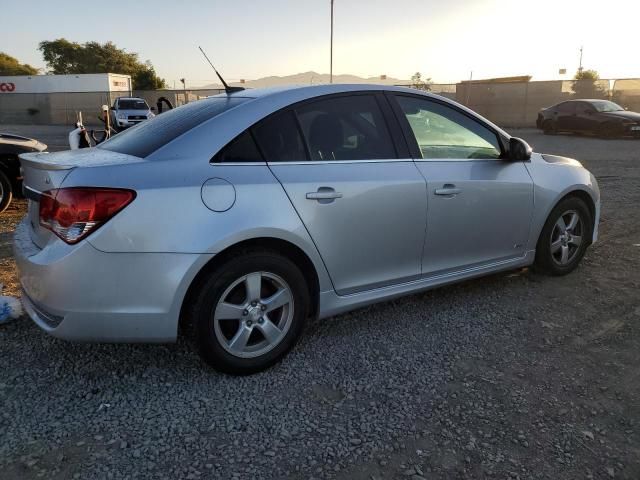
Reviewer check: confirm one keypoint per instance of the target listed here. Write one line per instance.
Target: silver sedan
(243, 215)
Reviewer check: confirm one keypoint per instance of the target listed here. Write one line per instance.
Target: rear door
(480, 205)
(565, 116)
(364, 207)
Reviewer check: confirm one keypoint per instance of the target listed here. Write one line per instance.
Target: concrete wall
(62, 108)
(514, 104)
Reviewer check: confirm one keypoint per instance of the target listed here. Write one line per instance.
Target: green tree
(418, 82)
(585, 85)
(65, 57)
(11, 66)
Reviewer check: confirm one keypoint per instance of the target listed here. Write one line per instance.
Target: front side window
(583, 107)
(279, 138)
(442, 132)
(345, 128)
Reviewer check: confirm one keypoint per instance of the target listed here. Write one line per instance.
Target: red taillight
(73, 213)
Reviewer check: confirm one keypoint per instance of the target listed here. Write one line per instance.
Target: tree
(585, 85)
(65, 57)
(11, 66)
(419, 83)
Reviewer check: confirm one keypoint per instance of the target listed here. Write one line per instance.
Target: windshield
(606, 106)
(132, 105)
(147, 137)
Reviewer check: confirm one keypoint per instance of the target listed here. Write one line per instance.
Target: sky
(443, 39)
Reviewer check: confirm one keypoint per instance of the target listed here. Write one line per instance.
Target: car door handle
(448, 189)
(324, 195)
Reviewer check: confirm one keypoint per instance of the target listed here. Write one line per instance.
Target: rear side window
(279, 138)
(346, 128)
(566, 108)
(241, 149)
(148, 136)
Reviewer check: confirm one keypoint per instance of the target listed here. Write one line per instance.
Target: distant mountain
(310, 78)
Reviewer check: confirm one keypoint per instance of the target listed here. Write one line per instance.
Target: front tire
(565, 237)
(6, 192)
(609, 131)
(250, 312)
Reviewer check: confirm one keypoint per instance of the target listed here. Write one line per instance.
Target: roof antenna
(227, 88)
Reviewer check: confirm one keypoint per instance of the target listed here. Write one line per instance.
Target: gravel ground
(515, 375)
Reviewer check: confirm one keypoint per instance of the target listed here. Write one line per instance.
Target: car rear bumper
(81, 293)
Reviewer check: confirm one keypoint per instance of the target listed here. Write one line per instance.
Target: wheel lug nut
(261, 321)
(263, 308)
(245, 312)
(249, 323)
(254, 303)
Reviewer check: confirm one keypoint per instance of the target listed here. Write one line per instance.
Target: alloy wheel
(566, 237)
(254, 314)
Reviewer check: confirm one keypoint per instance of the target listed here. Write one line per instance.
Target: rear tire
(549, 127)
(250, 312)
(565, 237)
(6, 192)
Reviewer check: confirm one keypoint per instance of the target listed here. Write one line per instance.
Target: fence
(509, 104)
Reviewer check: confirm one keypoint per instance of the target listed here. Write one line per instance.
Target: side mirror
(519, 150)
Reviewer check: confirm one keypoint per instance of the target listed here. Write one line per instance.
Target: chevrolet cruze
(245, 214)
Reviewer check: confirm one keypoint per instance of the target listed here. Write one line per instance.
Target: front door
(363, 207)
(480, 205)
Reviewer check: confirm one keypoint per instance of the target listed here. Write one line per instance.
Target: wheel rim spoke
(560, 224)
(573, 221)
(253, 283)
(280, 298)
(555, 246)
(576, 241)
(564, 258)
(270, 331)
(229, 311)
(240, 339)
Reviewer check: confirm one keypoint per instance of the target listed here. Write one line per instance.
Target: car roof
(315, 90)
(587, 100)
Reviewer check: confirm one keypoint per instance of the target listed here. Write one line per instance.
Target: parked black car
(600, 117)
(10, 180)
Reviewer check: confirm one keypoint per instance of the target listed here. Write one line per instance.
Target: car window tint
(240, 149)
(148, 136)
(346, 128)
(443, 132)
(279, 138)
(566, 108)
(583, 107)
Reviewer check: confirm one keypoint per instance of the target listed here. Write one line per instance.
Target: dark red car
(599, 117)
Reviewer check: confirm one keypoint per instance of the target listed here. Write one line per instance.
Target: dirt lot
(512, 376)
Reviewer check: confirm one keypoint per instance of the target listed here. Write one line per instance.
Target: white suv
(129, 111)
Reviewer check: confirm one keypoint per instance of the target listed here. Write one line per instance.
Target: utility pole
(331, 48)
(580, 67)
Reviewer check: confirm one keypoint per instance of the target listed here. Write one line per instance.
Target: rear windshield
(132, 105)
(147, 137)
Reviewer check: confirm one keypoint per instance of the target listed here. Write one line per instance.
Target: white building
(81, 83)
